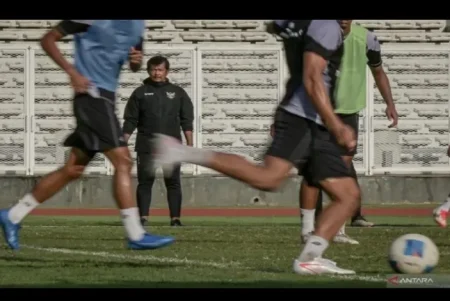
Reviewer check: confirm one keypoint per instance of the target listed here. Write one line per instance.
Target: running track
(226, 212)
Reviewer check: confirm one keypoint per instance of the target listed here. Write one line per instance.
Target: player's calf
(344, 194)
(121, 160)
(138, 238)
(309, 196)
(269, 177)
(49, 185)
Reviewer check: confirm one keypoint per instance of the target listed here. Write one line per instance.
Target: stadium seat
(235, 31)
(239, 87)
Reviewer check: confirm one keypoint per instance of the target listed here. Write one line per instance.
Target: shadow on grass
(402, 226)
(48, 263)
(205, 224)
(253, 284)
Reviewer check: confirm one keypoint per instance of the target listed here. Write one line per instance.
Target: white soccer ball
(413, 254)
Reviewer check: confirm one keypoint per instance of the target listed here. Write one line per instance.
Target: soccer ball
(413, 254)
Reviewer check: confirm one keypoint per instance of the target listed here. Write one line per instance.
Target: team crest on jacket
(170, 95)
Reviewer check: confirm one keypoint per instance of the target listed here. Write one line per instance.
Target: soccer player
(361, 48)
(303, 126)
(440, 213)
(101, 48)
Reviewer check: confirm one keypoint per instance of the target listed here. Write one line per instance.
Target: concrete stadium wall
(218, 191)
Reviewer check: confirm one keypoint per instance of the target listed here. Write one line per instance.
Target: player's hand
(135, 56)
(391, 114)
(79, 83)
(346, 137)
(272, 130)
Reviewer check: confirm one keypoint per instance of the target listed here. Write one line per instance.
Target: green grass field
(209, 252)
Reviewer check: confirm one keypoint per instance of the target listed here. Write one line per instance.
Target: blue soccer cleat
(10, 230)
(150, 241)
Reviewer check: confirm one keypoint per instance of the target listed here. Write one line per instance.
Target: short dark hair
(158, 60)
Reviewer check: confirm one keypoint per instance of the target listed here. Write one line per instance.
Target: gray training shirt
(323, 37)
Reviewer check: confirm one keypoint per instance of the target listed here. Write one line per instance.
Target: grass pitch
(208, 252)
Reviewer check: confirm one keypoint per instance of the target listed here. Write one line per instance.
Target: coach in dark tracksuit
(158, 106)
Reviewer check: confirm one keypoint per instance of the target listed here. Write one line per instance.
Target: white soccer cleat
(319, 266)
(440, 217)
(342, 238)
(167, 152)
(361, 222)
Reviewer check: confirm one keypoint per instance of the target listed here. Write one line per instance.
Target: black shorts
(98, 128)
(351, 120)
(306, 143)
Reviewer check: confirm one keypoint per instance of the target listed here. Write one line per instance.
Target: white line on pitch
(151, 258)
(360, 278)
(135, 257)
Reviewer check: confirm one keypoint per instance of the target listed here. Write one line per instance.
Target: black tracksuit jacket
(163, 108)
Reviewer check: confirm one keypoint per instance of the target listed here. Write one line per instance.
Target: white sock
(307, 220)
(446, 205)
(195, 155)
(131, 221)
(315, 246)
(18, 212)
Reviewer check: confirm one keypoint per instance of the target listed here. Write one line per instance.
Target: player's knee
(352, 198)
(355, 195)
(73, 172)
(344, 190)
(268, 187)
(121, 159)
(124, 163)
(268, 182)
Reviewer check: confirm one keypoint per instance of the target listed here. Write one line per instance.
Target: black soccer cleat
(176, 223)
(144, 222)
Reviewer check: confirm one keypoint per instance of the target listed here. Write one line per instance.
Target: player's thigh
(351, 120)
(329, 170)
(290, 144)
(120, 157)
(342, 190)
(348, 159)
(80, 157)
(336, 179)
(326, 165)
(77, 162)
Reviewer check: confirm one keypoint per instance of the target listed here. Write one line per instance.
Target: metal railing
(234, 90)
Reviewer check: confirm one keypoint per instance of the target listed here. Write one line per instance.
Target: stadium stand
(236, 31)
(240, 87)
